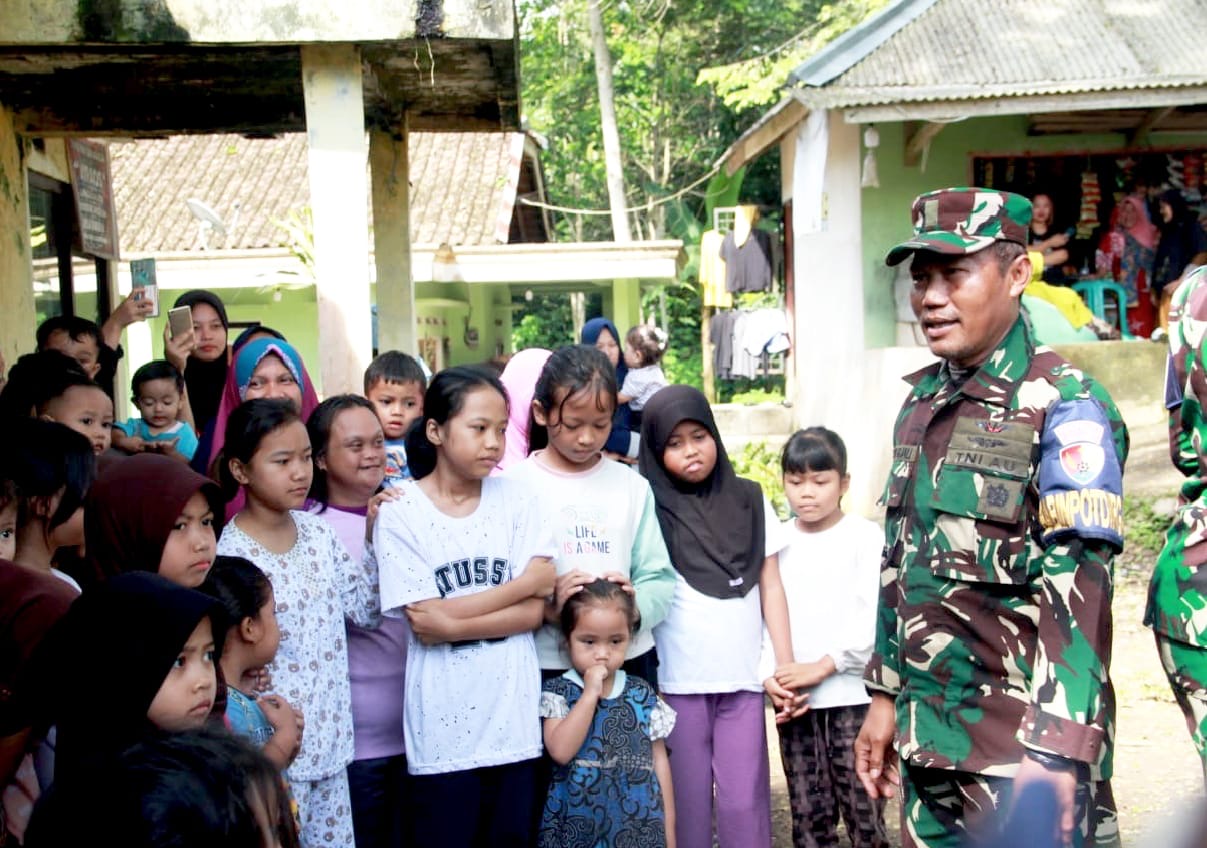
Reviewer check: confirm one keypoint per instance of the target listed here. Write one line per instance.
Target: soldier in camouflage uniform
(1177, 595)
(1004, 511)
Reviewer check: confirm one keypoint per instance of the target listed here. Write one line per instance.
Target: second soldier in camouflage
(1177, 594)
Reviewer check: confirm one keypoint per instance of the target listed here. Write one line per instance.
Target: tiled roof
(972, 49)
(463, 188)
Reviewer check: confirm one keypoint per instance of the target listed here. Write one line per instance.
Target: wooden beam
(764, 134)
(918, 136)
(1140, 134)
(984, 103)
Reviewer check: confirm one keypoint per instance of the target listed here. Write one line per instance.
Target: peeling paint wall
(239, 21)
(16, 271)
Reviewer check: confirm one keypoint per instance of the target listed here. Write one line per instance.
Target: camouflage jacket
(1004, 511)
(1177, 593)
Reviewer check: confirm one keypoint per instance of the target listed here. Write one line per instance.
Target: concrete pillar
(626, 305)
(389, 168)
(18, 317)
(830, 356)
(339, 198)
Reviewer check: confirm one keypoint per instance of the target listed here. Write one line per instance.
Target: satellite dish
(207, 220)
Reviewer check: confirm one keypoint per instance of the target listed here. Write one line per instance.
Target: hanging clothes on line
(765, 331)
(747, 253)
(720, 334)
(741, 338)
(712, 271)
(744, 363)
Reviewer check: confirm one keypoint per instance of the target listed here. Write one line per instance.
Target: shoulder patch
(1080, 477)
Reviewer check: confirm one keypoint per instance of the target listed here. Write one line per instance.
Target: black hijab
(714, 530)
(205, 380)
(103, 662)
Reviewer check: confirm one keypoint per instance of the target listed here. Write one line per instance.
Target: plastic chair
(1095, 292)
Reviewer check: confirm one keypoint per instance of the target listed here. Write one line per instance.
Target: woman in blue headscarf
(264, 366)
(623, 441)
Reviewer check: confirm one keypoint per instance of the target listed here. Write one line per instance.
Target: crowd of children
(446, 613)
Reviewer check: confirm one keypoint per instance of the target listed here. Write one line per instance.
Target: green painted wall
(296, 316)
(886, 209)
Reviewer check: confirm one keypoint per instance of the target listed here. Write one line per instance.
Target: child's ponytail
(444, 398)
(572, 369)
(239, 586)
(247, 426)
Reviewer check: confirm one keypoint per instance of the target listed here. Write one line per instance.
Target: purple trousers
(718, 755)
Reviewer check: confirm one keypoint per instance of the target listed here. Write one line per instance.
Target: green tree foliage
(672, 128)
(758, 79)
(760, 462)
(689, 78)
(681, 362)
(544, 321)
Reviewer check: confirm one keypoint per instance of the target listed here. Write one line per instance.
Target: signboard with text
(93, 187)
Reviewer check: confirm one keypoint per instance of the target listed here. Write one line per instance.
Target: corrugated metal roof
(974, 50)
(857, 42)
(462, 188)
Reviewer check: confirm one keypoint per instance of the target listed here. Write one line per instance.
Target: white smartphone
(180, 320)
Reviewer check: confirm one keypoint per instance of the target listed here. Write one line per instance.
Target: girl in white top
(466, 558)
(831, 576)
(316, 584)
(601, 512)
(723, 539)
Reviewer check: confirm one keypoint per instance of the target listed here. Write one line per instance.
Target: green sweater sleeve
(650, 568)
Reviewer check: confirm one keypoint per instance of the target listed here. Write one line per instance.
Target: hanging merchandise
(1173, 171)
(1091, 197)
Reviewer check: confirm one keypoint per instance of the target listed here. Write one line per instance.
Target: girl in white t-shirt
(831, 576)
(601, 512)
(466, 558)
(723, 538)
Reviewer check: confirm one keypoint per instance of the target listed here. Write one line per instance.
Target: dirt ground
(1157, 772)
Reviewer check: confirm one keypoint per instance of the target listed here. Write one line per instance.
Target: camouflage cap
(964, 220)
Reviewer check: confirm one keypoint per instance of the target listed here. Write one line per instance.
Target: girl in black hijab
(205, 366)
(723, 538)
(134, 655)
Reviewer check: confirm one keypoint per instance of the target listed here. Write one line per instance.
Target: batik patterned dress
(608, 795)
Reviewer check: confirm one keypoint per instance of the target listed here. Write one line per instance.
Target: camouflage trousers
(1186, 669)
(942, 808)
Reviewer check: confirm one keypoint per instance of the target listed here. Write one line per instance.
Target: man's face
(965, 304)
